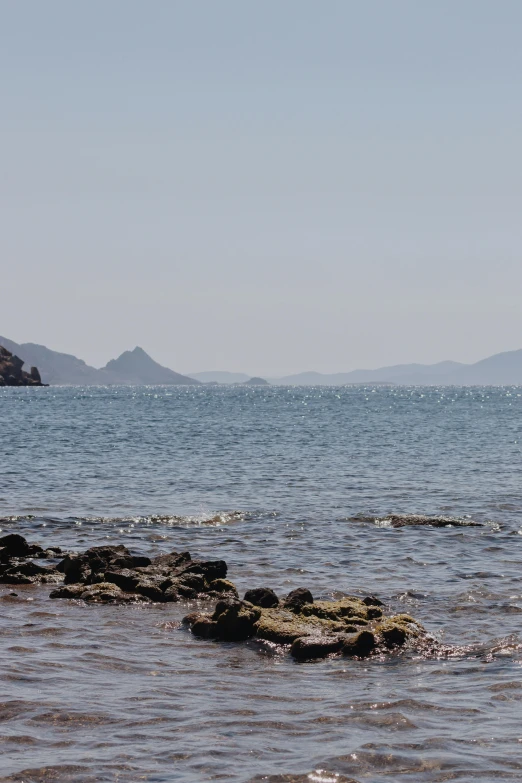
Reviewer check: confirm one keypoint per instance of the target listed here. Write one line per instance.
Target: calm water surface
(268, 479)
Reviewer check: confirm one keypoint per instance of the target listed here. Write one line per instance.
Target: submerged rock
(411, 520)
(305, 648)
(22, 573)
(314, 629)
(100, 593)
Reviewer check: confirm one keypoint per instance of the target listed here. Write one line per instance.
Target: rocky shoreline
(308, 629)
(11, 373)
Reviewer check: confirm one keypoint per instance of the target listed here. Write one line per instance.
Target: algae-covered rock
(235, 619)
(346, 608)
(308, 647)
(360, 644)
(205, 627)
(395, 631)
(313, 629)
(281, 626)
(222, 586)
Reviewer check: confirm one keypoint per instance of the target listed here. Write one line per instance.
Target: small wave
(204, 519)
(317, 776)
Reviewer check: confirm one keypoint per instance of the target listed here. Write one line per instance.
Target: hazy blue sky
(265, 186)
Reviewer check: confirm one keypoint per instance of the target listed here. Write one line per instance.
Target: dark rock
(75, 569)
(125, 578)
(29, 573)
(191, 618)
(35, 375)
(107, 592)
(360, 644)
(205, 627)
(418, 520)
(150, 590)
(172, 594)
(185, 591)
(107, 552)
(262, 596)
(371, 600)
(51, 553)
(394, 636)
(221, 586)
(235, 619)
(91, 566)
(171, 560)
(14, 545)
(67, 591)
(211, 569)
(131, 561)
(168, 577)
(297, 599)
(309, 647)
(11, 373)
(16, 562)
(196, 582)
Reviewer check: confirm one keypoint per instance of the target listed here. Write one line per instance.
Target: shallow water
(269, 480)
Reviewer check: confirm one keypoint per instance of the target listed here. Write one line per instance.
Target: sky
(265, 187)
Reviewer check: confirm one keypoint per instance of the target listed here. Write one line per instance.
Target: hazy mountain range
(131, 368)
(137, 367)
(502, 369)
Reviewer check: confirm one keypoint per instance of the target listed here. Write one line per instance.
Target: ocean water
(271, 480)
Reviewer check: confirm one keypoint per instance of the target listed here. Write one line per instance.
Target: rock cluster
(308, 628)
(17, 564)
(11, 373)
(105, 574)
(313, 629)
(112, 574)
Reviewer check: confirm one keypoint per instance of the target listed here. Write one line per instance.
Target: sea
(293, 487)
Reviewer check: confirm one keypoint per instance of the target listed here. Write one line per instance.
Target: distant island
(136, 367)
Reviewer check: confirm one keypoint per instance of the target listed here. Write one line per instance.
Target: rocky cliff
(11, 373)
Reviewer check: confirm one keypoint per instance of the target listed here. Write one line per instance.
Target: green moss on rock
(314, 630)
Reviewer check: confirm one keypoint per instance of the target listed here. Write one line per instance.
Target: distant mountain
(55, 368)
(218, 376)
(131, 368)
(502, 369)
(137, 368)
(255, 381)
